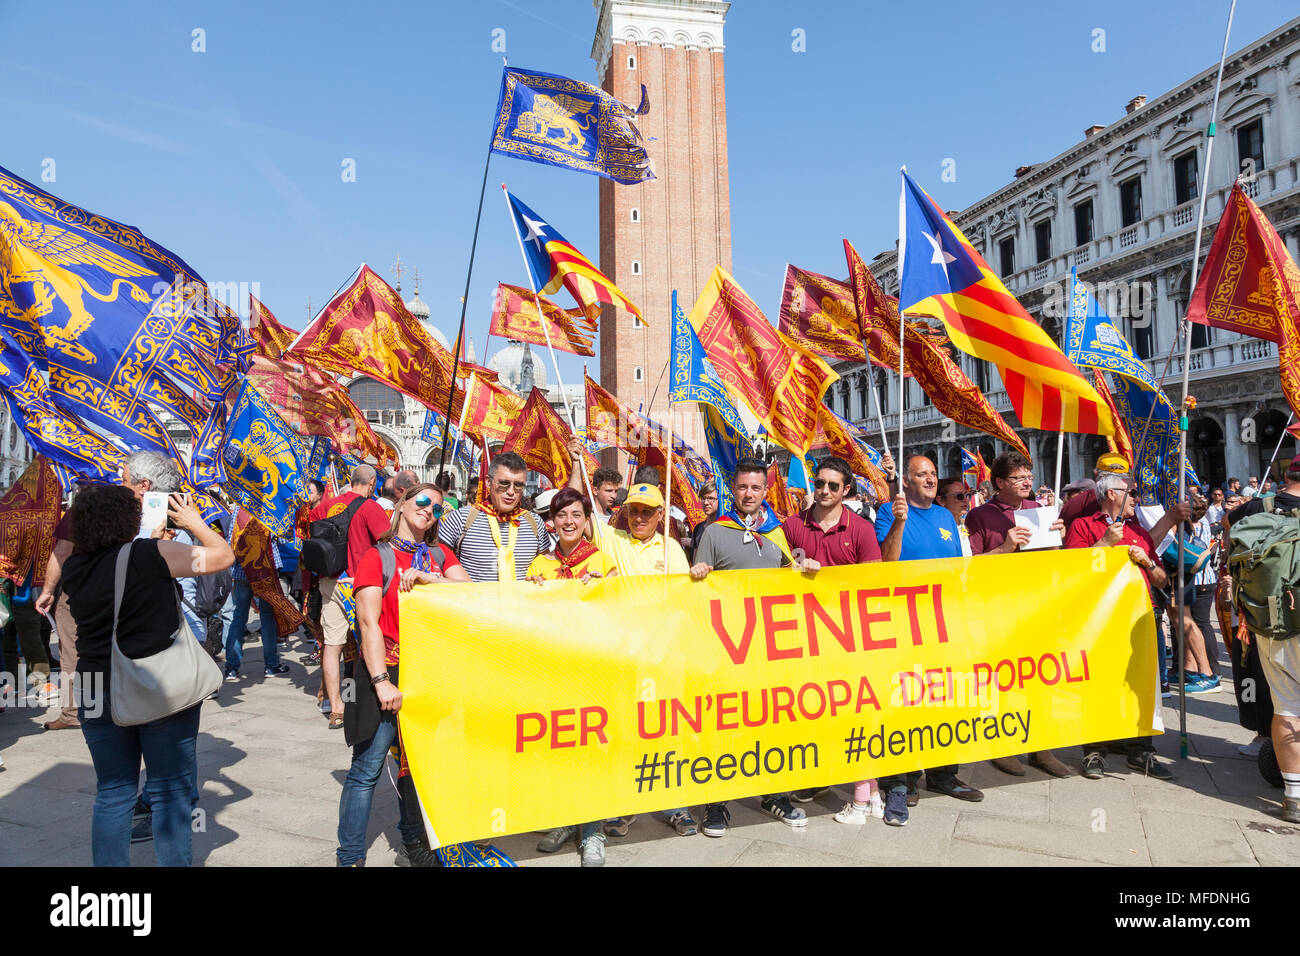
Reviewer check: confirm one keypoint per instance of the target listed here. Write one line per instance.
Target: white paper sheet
(1039, 522)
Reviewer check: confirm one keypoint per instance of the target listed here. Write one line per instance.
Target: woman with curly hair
(103, 519)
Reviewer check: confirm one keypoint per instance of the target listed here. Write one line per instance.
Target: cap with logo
(1113, 463)
(645, 494)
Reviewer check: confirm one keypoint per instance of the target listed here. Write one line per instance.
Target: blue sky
(232, 158)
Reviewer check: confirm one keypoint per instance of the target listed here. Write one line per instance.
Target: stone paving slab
(271, 774)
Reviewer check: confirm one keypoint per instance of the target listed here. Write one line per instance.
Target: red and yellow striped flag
(944, 277)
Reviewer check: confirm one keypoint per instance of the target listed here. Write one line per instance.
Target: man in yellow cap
(640, 549)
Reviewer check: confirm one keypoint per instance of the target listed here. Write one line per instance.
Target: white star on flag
(941, 256)
(535, 227)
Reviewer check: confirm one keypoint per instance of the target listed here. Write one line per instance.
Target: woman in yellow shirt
(574, 556)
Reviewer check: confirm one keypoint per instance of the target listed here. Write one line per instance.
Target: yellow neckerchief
(506, 570)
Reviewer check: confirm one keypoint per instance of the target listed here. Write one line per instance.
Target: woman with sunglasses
(371, 722)
(573, 558)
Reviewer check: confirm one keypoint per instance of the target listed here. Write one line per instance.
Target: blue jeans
(359, 792)
(167, 747)
(243, 599)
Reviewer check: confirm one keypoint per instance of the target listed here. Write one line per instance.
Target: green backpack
(1264, 560)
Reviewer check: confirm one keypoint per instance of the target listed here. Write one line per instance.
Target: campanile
(667, 233)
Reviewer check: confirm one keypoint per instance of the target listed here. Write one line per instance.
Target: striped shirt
(478, 551)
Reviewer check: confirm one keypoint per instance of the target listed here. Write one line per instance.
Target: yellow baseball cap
(1113, 462)
(645, 494)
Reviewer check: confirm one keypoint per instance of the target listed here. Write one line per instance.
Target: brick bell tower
(667, 233)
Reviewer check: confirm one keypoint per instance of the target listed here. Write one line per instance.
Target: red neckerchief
(584, 550)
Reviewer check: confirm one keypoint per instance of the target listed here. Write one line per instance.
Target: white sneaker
(853, 815)
(1251, 749)
(877, 806)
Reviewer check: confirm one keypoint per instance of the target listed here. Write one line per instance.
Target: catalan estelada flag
(944, 277)
(554, 262)
(974, 467)
(1250, 284)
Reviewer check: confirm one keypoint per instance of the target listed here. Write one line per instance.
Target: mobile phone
(153, 513)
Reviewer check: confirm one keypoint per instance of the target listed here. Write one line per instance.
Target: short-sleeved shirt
(329, 507)
(929, 532)
(370, 574)
(149, 615)
(370, 523)
(548, 565)
(851, 540)
(478, 550)
(990, 522)
(724, 548)
(634, 557)
(1088, 530)
(1255, 506)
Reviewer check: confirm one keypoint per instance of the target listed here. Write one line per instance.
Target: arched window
(631, 63)
(638, 374)
(636, 215)
(636, 267)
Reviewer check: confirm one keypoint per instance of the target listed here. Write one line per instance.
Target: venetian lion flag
(491, 410)
(367, 329)
(267, 465)
(780, 380)
(833, 433)
(515, 317)
(557, 121)
(270, 337)
(877, 312)
(944, 277)
(555, 262)
(541, 438)
(819, 313)
(1250, 284)
(29, 510)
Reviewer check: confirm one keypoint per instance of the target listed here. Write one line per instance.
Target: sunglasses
(960, 495)
(820, 483)
(426, 501)
(504, 484)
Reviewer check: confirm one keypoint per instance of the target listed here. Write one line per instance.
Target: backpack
(1264, 560)
(325, 553)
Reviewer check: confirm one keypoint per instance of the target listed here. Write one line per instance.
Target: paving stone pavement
(271, 773)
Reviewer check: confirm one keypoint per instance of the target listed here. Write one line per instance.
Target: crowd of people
(386, 534)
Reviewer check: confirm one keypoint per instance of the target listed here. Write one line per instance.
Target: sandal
(336, 721)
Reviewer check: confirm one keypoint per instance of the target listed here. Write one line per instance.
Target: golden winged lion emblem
(38, 253)
(568, 116)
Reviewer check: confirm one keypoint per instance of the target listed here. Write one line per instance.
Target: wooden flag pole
(546, 331)
(1182, 412)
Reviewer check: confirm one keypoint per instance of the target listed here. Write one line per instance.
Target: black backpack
(325, 553)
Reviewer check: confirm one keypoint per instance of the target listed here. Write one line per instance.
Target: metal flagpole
(1278, 448)
(541, 318)
(668, 486)
(464, 302)
(1056, 486)
(1182, 414)
(900, 464)
(875, 401)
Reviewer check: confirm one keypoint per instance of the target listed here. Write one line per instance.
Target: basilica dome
(519, 368)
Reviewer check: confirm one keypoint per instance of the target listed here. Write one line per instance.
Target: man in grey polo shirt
(747, 539)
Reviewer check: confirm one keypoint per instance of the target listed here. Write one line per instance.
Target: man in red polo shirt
(827, 533)
(993, 530)
(823, 536)
(1114, 524)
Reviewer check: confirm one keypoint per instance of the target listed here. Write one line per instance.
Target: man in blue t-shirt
(914, 528)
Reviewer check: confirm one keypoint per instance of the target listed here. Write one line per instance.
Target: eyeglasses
(504, 484)
(821, 483)
(960, 495)
(426, 501)
(1022, 480)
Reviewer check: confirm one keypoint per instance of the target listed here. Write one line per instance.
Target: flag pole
(1056, 485)
(464, 303)
(1278, 447)
(546, 331)
(464, 412)
(900, 465)
(1182, 417)
(668, 486)
(875, 400)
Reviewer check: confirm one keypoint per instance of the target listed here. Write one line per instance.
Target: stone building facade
(667, 233)
(1121, 206)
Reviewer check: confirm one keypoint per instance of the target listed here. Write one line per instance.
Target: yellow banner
(526, 708)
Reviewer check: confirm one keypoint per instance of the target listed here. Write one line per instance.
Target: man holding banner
(748, 539)
(914, 528)
(1115, 524)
